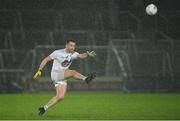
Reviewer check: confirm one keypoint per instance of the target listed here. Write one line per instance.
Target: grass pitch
(92, 105)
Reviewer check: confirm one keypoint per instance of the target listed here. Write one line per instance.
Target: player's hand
(91, 53)
(37, 74)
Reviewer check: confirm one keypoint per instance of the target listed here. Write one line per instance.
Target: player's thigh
(61, 90)
(69, 73)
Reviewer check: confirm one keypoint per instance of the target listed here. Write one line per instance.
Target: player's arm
(42, 65)
(82, 56)
(87, 54)
(44, 62)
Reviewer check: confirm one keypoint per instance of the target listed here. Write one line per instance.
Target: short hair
(70, 40)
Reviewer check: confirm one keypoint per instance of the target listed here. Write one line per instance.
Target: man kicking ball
(60, 72)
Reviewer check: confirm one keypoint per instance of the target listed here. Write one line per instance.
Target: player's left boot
(90, 77)
(41, 111)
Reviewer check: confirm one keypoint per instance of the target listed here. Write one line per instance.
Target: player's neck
(67, 51)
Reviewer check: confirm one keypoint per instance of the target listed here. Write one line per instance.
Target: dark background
(136, 52)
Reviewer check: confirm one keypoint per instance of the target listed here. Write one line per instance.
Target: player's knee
(59, 97)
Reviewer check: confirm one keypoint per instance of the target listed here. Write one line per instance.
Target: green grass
(92, 105)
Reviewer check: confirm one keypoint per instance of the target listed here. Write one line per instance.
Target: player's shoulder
(60, 51)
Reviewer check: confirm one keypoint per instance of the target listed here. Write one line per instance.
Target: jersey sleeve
(75, 55)
(53, 55)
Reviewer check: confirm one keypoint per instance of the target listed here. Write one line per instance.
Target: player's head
(70, 45)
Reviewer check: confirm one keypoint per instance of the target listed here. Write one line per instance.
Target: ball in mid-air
(151, 9)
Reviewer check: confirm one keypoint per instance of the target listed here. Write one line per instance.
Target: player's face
(71, 46)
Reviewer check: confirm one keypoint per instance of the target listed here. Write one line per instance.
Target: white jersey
(62, 59)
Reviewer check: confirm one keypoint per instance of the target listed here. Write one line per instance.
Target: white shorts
(58, 78)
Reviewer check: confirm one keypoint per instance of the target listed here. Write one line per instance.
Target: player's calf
(69, 73)
(73, 74)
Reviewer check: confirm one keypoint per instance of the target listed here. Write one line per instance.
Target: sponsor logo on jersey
(67, 61)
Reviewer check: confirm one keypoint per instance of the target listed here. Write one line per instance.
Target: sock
(45, 107)
(84, 78)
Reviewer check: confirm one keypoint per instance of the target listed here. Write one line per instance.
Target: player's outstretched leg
(60, 93)
(74, 74)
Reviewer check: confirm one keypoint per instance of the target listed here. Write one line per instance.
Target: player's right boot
(90, 77)
(41, 111)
